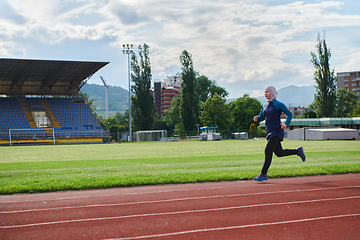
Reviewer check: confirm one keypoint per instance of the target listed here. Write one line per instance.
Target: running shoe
(301, 153)
(261, 177)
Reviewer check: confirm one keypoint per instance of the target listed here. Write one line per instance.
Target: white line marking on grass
(172, 200)
(177, 212)
(238, 227)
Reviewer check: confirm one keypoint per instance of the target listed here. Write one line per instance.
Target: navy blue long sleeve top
(271, 112)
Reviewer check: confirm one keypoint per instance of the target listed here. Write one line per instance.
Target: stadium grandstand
(40, 102)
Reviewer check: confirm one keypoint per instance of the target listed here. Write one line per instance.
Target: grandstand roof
(45, 77)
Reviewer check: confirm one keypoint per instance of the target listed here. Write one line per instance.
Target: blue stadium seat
(74, 117)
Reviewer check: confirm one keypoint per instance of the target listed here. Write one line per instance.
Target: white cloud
(350, 61)
(235, 43)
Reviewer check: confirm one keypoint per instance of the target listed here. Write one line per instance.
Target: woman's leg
(280, 152)
(271, 145)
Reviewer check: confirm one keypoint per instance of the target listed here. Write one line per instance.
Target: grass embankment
(29, 169)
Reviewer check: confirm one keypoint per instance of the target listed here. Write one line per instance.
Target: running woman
(271, 112)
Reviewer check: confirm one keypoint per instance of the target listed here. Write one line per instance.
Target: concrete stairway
(50, 114)
(27, 113)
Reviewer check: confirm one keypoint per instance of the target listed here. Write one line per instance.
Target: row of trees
(185, 112)
(233, 116)
(347, 104)
(202, 102)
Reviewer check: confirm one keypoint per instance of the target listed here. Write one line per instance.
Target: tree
(308, 114)
(160, 124)
(205, 88)
(123, 118)
(142, 103)
(217, 89)
(188, 103)
(216, 113)
(356, 112)
(346, 102)
(244, 109)
(114, 127)
(325, 96)
(172, 116)
(202, 87)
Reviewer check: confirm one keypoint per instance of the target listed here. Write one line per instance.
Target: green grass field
(30, 169)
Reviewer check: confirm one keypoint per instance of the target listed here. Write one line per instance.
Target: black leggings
(274, 146)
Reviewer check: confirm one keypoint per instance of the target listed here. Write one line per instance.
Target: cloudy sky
(243, 45)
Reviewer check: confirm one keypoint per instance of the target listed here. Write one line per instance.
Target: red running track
(317, 207)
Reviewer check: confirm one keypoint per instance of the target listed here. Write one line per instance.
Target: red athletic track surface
(318, 207)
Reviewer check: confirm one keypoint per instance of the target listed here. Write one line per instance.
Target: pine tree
(325, 96)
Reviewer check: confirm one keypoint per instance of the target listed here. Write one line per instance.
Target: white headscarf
(273, 93)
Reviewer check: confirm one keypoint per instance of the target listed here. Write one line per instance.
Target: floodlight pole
(128, 49)
(106, 95)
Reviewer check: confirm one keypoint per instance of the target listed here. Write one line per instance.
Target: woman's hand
(283, 125)
(256, 118)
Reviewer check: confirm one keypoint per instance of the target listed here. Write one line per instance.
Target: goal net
(32, 135)
(151, 136)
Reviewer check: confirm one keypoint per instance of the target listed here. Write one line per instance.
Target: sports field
(69, 167)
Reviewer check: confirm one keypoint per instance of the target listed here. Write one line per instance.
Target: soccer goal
(32, 135)
(151, 136)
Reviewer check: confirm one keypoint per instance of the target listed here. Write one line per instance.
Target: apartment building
(296, 111)
(165, 91)
(350, 81)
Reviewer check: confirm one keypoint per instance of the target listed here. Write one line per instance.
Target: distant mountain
(294, 96)
(118, 98)
(291, 96)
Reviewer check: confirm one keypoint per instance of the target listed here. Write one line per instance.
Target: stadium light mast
(106, 95)
(129, 49)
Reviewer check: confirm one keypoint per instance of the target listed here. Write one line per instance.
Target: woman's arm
(260, 117)
(281, 107)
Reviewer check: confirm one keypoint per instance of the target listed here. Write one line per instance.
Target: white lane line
(177, 212)
(172, 200)
(109, 195)
(126, 194)
(237, 227)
